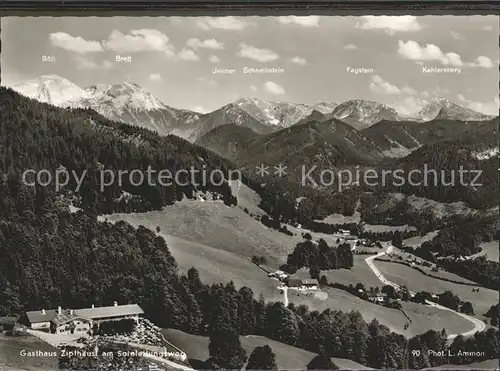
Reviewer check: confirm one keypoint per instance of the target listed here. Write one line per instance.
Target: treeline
(447, 299)
(463, 238)
(109, 328)
(493, 314)
(318, 256)
(396, 236)
(320, 227)
(443, 161)
(481, 270)
(37, 136)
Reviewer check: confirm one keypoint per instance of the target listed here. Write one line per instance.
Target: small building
(38, 319)
(67, 322)
(303, 284)
(58, 319)
(311, 284)
(377, 297)
(279, 275)
(344, 232)
(294, 282)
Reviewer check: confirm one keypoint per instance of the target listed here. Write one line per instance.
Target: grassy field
(11, 359)
(490, 249)
(419, 240)
(417, 281)
(381, 228)
(440, 273)
(341, 219)
(360, 272)
(217, 266)
(219, 226)
(287, 357)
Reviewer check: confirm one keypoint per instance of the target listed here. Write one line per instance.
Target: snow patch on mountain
(443, 109)
(361, 114)
(281, 114)
(51, 89)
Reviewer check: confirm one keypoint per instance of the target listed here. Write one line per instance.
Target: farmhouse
(303, 284)
(377, 297)
(78, 320)
(278, 274)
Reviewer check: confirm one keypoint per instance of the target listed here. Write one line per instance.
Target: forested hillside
(39, 136)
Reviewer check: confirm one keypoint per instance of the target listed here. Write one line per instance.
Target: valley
(193, 244)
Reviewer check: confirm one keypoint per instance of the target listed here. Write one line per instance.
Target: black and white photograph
(249, 192)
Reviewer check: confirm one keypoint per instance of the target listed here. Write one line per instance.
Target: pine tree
(226, 351)
(262, 358)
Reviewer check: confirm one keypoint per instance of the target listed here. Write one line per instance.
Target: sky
(174, 57)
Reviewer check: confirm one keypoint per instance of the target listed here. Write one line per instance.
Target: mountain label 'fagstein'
(358, 71)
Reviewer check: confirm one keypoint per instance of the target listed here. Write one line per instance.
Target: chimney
(44, 312)
(59, 310)
(93, 306)
(115, 303)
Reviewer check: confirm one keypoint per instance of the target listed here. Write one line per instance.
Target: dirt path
(478, 324)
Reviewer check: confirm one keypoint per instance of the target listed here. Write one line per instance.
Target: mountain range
(130, 103)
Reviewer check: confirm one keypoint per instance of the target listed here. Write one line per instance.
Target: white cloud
(273, 88)
(207, 44)
(409, 105)
(74, 44)
(350, 47)
(487, 28)
(155, 77)
(380, 86)
(300, 61)
(254, 88)
(142, 40)
(200, 109)
(213, 59)
(390, 24)
(414, 51)
(482, 62)
(188, 55)
(259, 55)
(489, 108)
(83, 63)
(456, 35)
(307, 21)
(222, 23)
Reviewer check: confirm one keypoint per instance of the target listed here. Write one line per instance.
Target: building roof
(309, 281)
(294, 282)
(377, 295)
(111, 311)
(36, 316)
(65, 317)
(351, 238)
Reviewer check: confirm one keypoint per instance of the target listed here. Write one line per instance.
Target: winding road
(478, 324)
